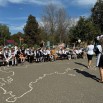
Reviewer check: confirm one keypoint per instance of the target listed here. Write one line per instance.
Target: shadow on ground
(80, 64)
(86, 74)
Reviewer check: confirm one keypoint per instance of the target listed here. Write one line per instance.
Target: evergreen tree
(31, 31)
(84, 30)
(97, 15)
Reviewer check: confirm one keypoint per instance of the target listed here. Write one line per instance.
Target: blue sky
(14, 13)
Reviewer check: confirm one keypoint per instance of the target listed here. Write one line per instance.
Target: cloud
(84, 2)
(86, 15)
(3, 2)
(2, 22)
(16, 1)
(19, 28)
(38, 2)
(16, 18)
(44, 2)
(16, 28)
(74, 21)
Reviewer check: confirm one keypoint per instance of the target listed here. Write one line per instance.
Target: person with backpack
(100, 59)
(98, 51)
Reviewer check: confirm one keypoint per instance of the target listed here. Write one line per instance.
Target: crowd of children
(15, 55)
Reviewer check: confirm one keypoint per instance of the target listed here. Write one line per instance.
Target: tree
(84, 30)
(4, 33)
(63, 22)
(43, 34)
(49, 20)
(55, 22)
(31, 31)
(97, 15)
(16, 37)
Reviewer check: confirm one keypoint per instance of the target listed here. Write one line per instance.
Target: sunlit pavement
(62, 81)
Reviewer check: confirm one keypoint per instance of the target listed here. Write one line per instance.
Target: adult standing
(98, 52)
(100, 64)
(90, 53)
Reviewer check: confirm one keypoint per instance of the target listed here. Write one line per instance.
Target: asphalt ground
(62, 81)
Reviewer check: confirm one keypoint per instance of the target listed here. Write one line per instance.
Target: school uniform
(7, 56)
(13, 58)
(30, 55)
(1, 58)
(38, 55)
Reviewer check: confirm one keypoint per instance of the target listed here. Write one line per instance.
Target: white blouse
(90, 49)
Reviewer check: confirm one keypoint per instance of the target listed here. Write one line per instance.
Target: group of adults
(98, 49)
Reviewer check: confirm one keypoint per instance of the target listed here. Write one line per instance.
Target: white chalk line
(13, 97)
(23, 66)
(9, 79)
(37, 80)
(7, 68)
(30, 84)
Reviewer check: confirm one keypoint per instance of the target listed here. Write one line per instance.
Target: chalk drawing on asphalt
(8, 80)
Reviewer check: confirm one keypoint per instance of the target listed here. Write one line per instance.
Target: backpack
(96, 50)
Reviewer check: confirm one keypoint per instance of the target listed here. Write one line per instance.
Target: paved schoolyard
(62, 81)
